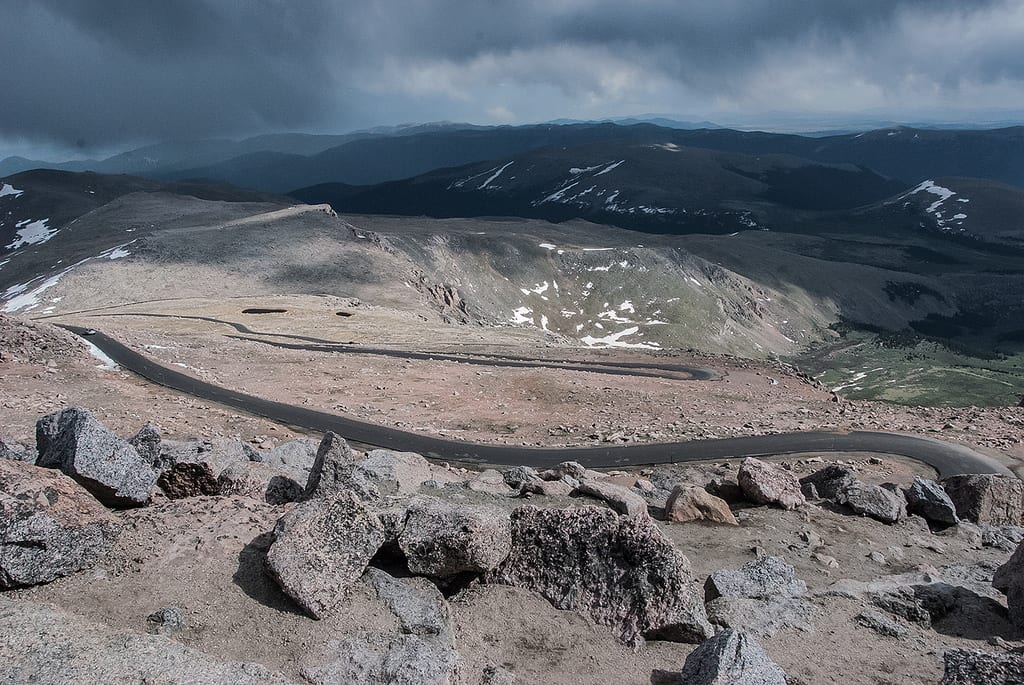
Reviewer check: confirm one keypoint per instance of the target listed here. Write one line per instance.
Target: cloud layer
(95, 73)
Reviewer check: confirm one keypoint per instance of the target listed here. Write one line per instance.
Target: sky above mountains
(93, 76)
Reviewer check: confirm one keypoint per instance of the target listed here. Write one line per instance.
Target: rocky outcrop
(761, 597)
(926, 498)
(443, 539)
(1009, 579)
(618, 498)
(572, 469)
(79, 651)
(765, 483)
(693, 503)
(875, 501)
(986, 498)
(294, 455)
(731, 658)
(974, 667)
(321, 547)
(517, 476)
(548, 488)
(49, 526)
(620, 571)
(384, 473)
(74, 441)
(261, 482)
(147, 443)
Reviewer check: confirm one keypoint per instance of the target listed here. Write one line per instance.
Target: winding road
(946, 458)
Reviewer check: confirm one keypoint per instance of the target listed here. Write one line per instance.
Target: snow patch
(522, 315)
(547, 246)
(610, 167)
(106, 363)
(7, 189)
(930, 187)
(615, 340)
(32, 233)
(493, 176)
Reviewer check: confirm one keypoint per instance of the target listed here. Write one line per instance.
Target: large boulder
(731, 658)
(443, 539)
(402, 660)
(333, 456)
(15, 451)
(385, 473)
(416, 602)
(49, 525)
(45, 646)
(828, 482)
(874, 501)
(147, 443)
(762, 597)
(622, 572)
(694, 503)
(321, 547)
(74, 441)
(295, 455)
(262, 482)
(765, 483)
(1009, 579)
(192, 468)
(987, 498)
(974, 667)
(620, 499)
(926, 498)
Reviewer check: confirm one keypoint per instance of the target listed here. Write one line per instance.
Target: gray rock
(218, 454)
(1005, 538)
(987, 498)
(78, 651)
(829, 481)
(491, 482)
(74, 441)
(416, 602)
(618, 498)
(1009, 580)
(548, 488)
(442, 539)
(882, 624)
(321, 547)
(385, 473)
(761, 617)
(334, 458)
(405, 660)
(261, 482)
(725, 489)
(165, 621)
(731, 658)
(875, 501)
(622, 572)
(15, 451)
(147, 443)
(296, 455)
(496, 675)
(927, 498)
(765, 483)
(517, 476)
(49, 526)
(766, 577)
(693, 503)
(573, 469)
(973, 667)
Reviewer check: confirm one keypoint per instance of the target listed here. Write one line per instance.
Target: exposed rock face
(761, 597)
(618, 498)
(442, 539)
(973, 667)
(882, 624)
(986, 498)
(573, 469)
(49, 526)
(74, 441)
(875, 501)
(78, 651)
(147, 443)
(620, 571)
(321, 547)
(517, 476)
(692, 503)
(828, 482)
(490, 481)
(548, 488)
(332, 457)
(731, 658)
(218, 454)
(1009, 579)
(765, 483)
(416, 602)
(927, 498)
(261, 482)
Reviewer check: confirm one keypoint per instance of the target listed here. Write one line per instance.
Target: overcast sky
(98, 75)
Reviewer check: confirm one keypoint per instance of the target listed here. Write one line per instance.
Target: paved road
(946, 458)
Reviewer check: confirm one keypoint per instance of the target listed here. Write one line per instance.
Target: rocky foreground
(382, 562)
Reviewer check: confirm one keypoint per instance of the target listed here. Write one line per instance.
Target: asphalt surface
(946, 458)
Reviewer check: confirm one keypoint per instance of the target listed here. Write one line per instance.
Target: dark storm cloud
(104, 72)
